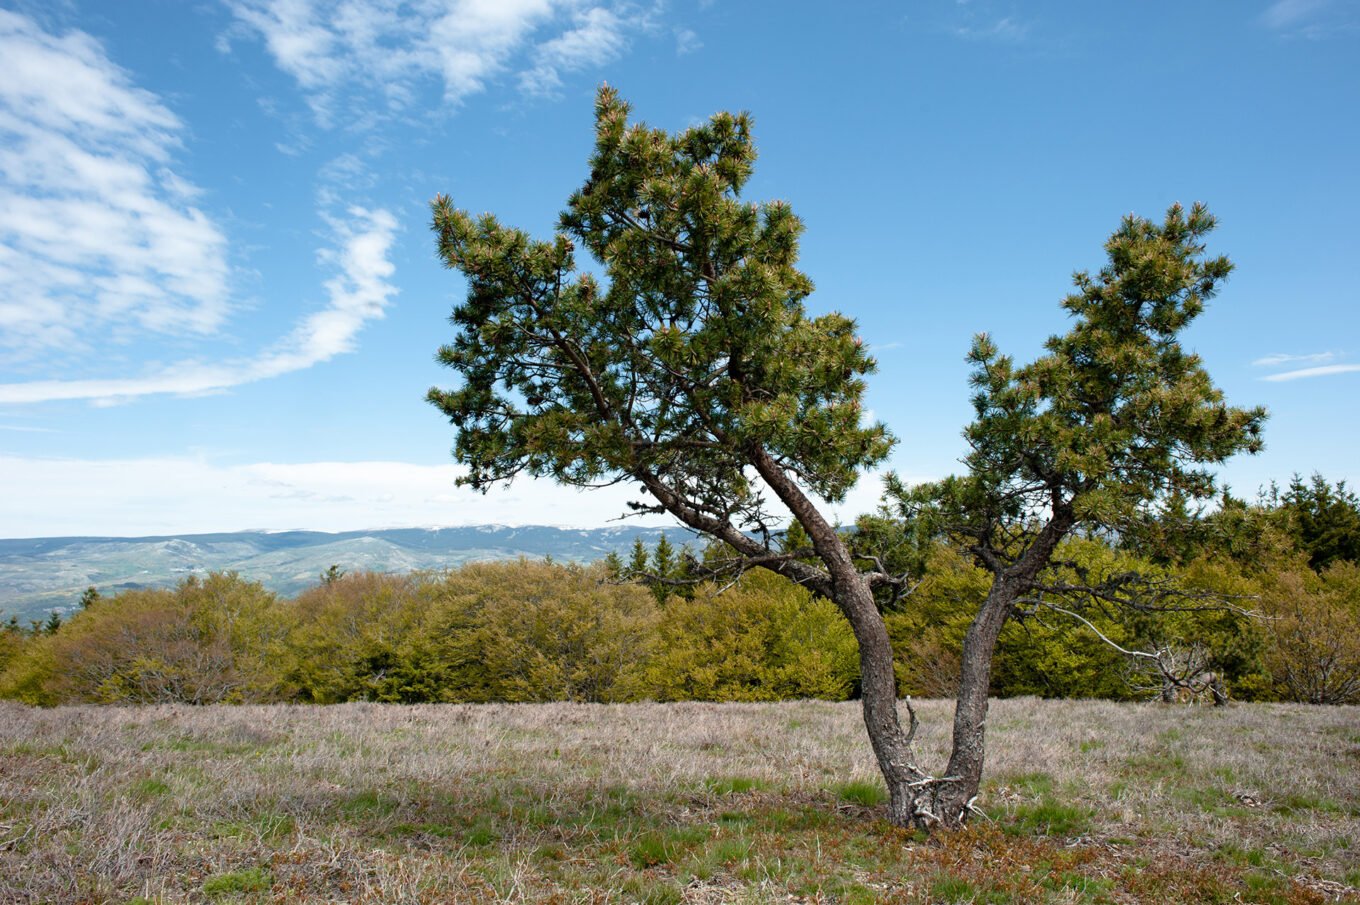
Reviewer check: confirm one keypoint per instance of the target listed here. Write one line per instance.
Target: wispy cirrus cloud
(1286, 13)
(596, 38)
(1315, 358)
(1005, 30)
(1311, 19)
(333, 47)
(1319, 365)
(1302, 373)
(97, 230)
(358, 292)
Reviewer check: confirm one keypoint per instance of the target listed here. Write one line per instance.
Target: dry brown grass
(1089, 802)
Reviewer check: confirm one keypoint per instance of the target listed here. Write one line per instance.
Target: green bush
(764, 639)
(208, 641)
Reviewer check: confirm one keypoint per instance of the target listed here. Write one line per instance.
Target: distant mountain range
(41, 574)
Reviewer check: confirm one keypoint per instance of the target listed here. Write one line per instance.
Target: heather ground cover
(1085, 802)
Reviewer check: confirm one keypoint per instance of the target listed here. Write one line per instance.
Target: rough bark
(952, 796)
(853, 595)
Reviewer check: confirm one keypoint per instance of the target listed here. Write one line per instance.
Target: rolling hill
(38, 575)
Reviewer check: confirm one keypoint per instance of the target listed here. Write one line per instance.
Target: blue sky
(219, 299)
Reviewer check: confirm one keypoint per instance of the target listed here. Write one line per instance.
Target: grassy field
(1088, 802)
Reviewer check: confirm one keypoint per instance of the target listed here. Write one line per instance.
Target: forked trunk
(950, 797)
(916, 798)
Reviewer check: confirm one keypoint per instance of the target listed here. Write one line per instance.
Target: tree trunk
(954, 793)
(878, 700)
(852, 594)
(963, 777)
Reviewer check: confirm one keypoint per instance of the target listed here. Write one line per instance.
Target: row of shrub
(517, 631)
(539, 631)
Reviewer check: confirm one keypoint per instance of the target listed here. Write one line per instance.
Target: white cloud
(359, 292)
(330, 47)
(1285, 13)
(473, 40)
(171, 495)
(1006, 30)
(1324, 371)
(686, 42)
(96, 229)
(596, 39)
(180, 495)
(1270, 361)
(1313, 20)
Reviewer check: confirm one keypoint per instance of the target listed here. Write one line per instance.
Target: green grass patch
(1296, 803)
(481, 833)
(735, 785)
(948, 889)
(1049, 818)
(863, 792)
(1268, 888)
(150, 788)
(252, 879)
(437, 830)
(666, 846)
(368, 804)
(652, 891)
(1155, 766)
(266, 827)
(1035, 784)
(1248, 857)
(1088, 889)
(1212, 800)
(717, 856)
(735, 820)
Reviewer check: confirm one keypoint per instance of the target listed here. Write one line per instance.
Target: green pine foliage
(694, 354)
(1322, 519)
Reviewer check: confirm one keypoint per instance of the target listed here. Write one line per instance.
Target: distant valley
(41, 574)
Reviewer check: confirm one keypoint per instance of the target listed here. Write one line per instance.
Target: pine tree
(1324, 520)
(694, 372)
(1115, 420)
(613, 566)
(664, 569)
(637, 560)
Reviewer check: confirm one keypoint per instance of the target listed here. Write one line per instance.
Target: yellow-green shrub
(544, 632)
(359, 637)
(207, 641)
(511, 631)
(763, 639)
(1312, 633)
